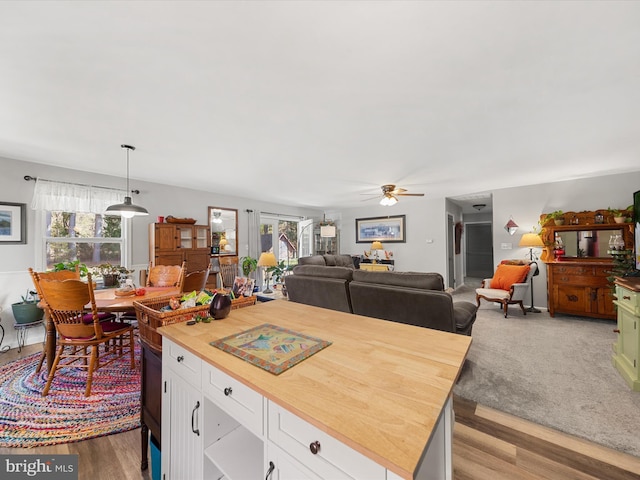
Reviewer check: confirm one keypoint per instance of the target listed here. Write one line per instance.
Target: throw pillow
(507, 275)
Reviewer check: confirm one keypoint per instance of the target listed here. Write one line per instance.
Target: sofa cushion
(425, 281)
(323, 271)
(339, 261)
(312, 260)
(507, 275)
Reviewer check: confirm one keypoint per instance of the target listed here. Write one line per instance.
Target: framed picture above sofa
(389, 229)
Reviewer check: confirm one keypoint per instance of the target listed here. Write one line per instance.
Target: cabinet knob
(314, 447)
(626, 297)
(180, 358)
(616, 330)
(228, 391)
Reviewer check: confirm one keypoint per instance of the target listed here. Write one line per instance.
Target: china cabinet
(171, 244)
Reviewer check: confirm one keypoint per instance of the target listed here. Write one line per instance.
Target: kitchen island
(376, 403)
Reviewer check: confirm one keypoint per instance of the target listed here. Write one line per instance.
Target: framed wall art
(383, 229)
(13, 223)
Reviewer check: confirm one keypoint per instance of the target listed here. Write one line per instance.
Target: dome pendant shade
(126, 209)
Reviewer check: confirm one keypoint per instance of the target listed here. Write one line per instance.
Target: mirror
(224, 226)
(588, 243)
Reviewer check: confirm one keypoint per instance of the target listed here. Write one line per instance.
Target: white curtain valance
(73, 197)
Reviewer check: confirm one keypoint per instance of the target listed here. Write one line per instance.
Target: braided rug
(27, 419)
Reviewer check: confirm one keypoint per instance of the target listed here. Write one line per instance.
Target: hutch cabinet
(627, 347)
(580, 264)
(171, 244)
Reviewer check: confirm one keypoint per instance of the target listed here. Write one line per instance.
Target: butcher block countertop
(379, 387)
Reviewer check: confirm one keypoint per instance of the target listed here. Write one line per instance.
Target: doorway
(479, 250)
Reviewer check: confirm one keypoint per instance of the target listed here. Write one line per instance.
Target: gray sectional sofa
(407, 297)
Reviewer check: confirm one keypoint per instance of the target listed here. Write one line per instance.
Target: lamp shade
(126, 209)
(267, 259)
(377, 246)
(531, 240)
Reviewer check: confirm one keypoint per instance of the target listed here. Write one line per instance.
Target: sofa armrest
(464, 314)
(486, 283)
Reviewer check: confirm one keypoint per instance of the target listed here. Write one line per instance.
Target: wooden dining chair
(61, 275)
(78, 342)
(166, 275)
(228, 271)
(196, 280)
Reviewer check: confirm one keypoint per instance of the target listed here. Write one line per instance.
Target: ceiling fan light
(388, 200)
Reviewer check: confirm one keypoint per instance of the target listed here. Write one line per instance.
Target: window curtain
(72, 197)
(253, 241)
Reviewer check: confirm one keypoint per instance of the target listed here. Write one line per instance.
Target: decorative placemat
(273, 348)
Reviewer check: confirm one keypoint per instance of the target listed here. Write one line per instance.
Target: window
(90, 238)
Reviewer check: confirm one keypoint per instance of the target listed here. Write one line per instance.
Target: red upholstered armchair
(509, 284)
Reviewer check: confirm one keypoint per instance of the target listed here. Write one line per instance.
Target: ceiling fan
(390, 194)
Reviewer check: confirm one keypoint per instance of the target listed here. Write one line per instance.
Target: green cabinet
(627, 347)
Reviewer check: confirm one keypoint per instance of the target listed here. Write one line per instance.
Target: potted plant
(73, 265)
(620, 215)
(248, 265)
(27, 311)
(109, 273)
(557, 217)
(278, 271)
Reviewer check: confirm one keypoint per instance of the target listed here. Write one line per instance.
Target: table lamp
(531, 241)
(267, 259)
(375, 247)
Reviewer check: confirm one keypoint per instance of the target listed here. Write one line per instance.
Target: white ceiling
(314, 103)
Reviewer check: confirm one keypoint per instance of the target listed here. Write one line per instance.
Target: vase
(220, 306)
(27, 312)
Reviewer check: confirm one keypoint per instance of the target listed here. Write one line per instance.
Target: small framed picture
(243, 286)
(13, 223)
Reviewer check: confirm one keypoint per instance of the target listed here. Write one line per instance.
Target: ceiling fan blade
(410, 194)
(367, 199)
(398, 190)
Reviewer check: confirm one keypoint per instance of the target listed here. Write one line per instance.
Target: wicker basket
(150, 318)
(243, 302)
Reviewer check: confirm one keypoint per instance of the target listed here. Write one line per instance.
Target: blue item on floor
(155, 458)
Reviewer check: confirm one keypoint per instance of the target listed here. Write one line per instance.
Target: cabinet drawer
(238, 400)
(181, 361)
(333, 459)
(628, 300)
(572, 270)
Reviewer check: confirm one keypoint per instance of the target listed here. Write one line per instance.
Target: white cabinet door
(184, 458)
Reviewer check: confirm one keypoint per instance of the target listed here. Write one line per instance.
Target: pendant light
(126, 209)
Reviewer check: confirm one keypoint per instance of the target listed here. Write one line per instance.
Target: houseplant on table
(109, 273)
(27, 311)
(249, 265)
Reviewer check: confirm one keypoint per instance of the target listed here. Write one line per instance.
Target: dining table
(106, 301)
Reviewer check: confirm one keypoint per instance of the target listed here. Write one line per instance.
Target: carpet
(556, 372)
(65, 415)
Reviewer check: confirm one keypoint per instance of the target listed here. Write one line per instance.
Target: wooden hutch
(579, 254)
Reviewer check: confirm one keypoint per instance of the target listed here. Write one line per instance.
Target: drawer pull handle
(626, 297)
(228, 391)
(193, 414)
(180, 358)
(616, 330)
(314, 447)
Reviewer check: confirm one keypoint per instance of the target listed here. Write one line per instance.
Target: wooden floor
(487, 444)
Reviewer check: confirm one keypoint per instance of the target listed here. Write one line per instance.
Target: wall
(157, 199)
